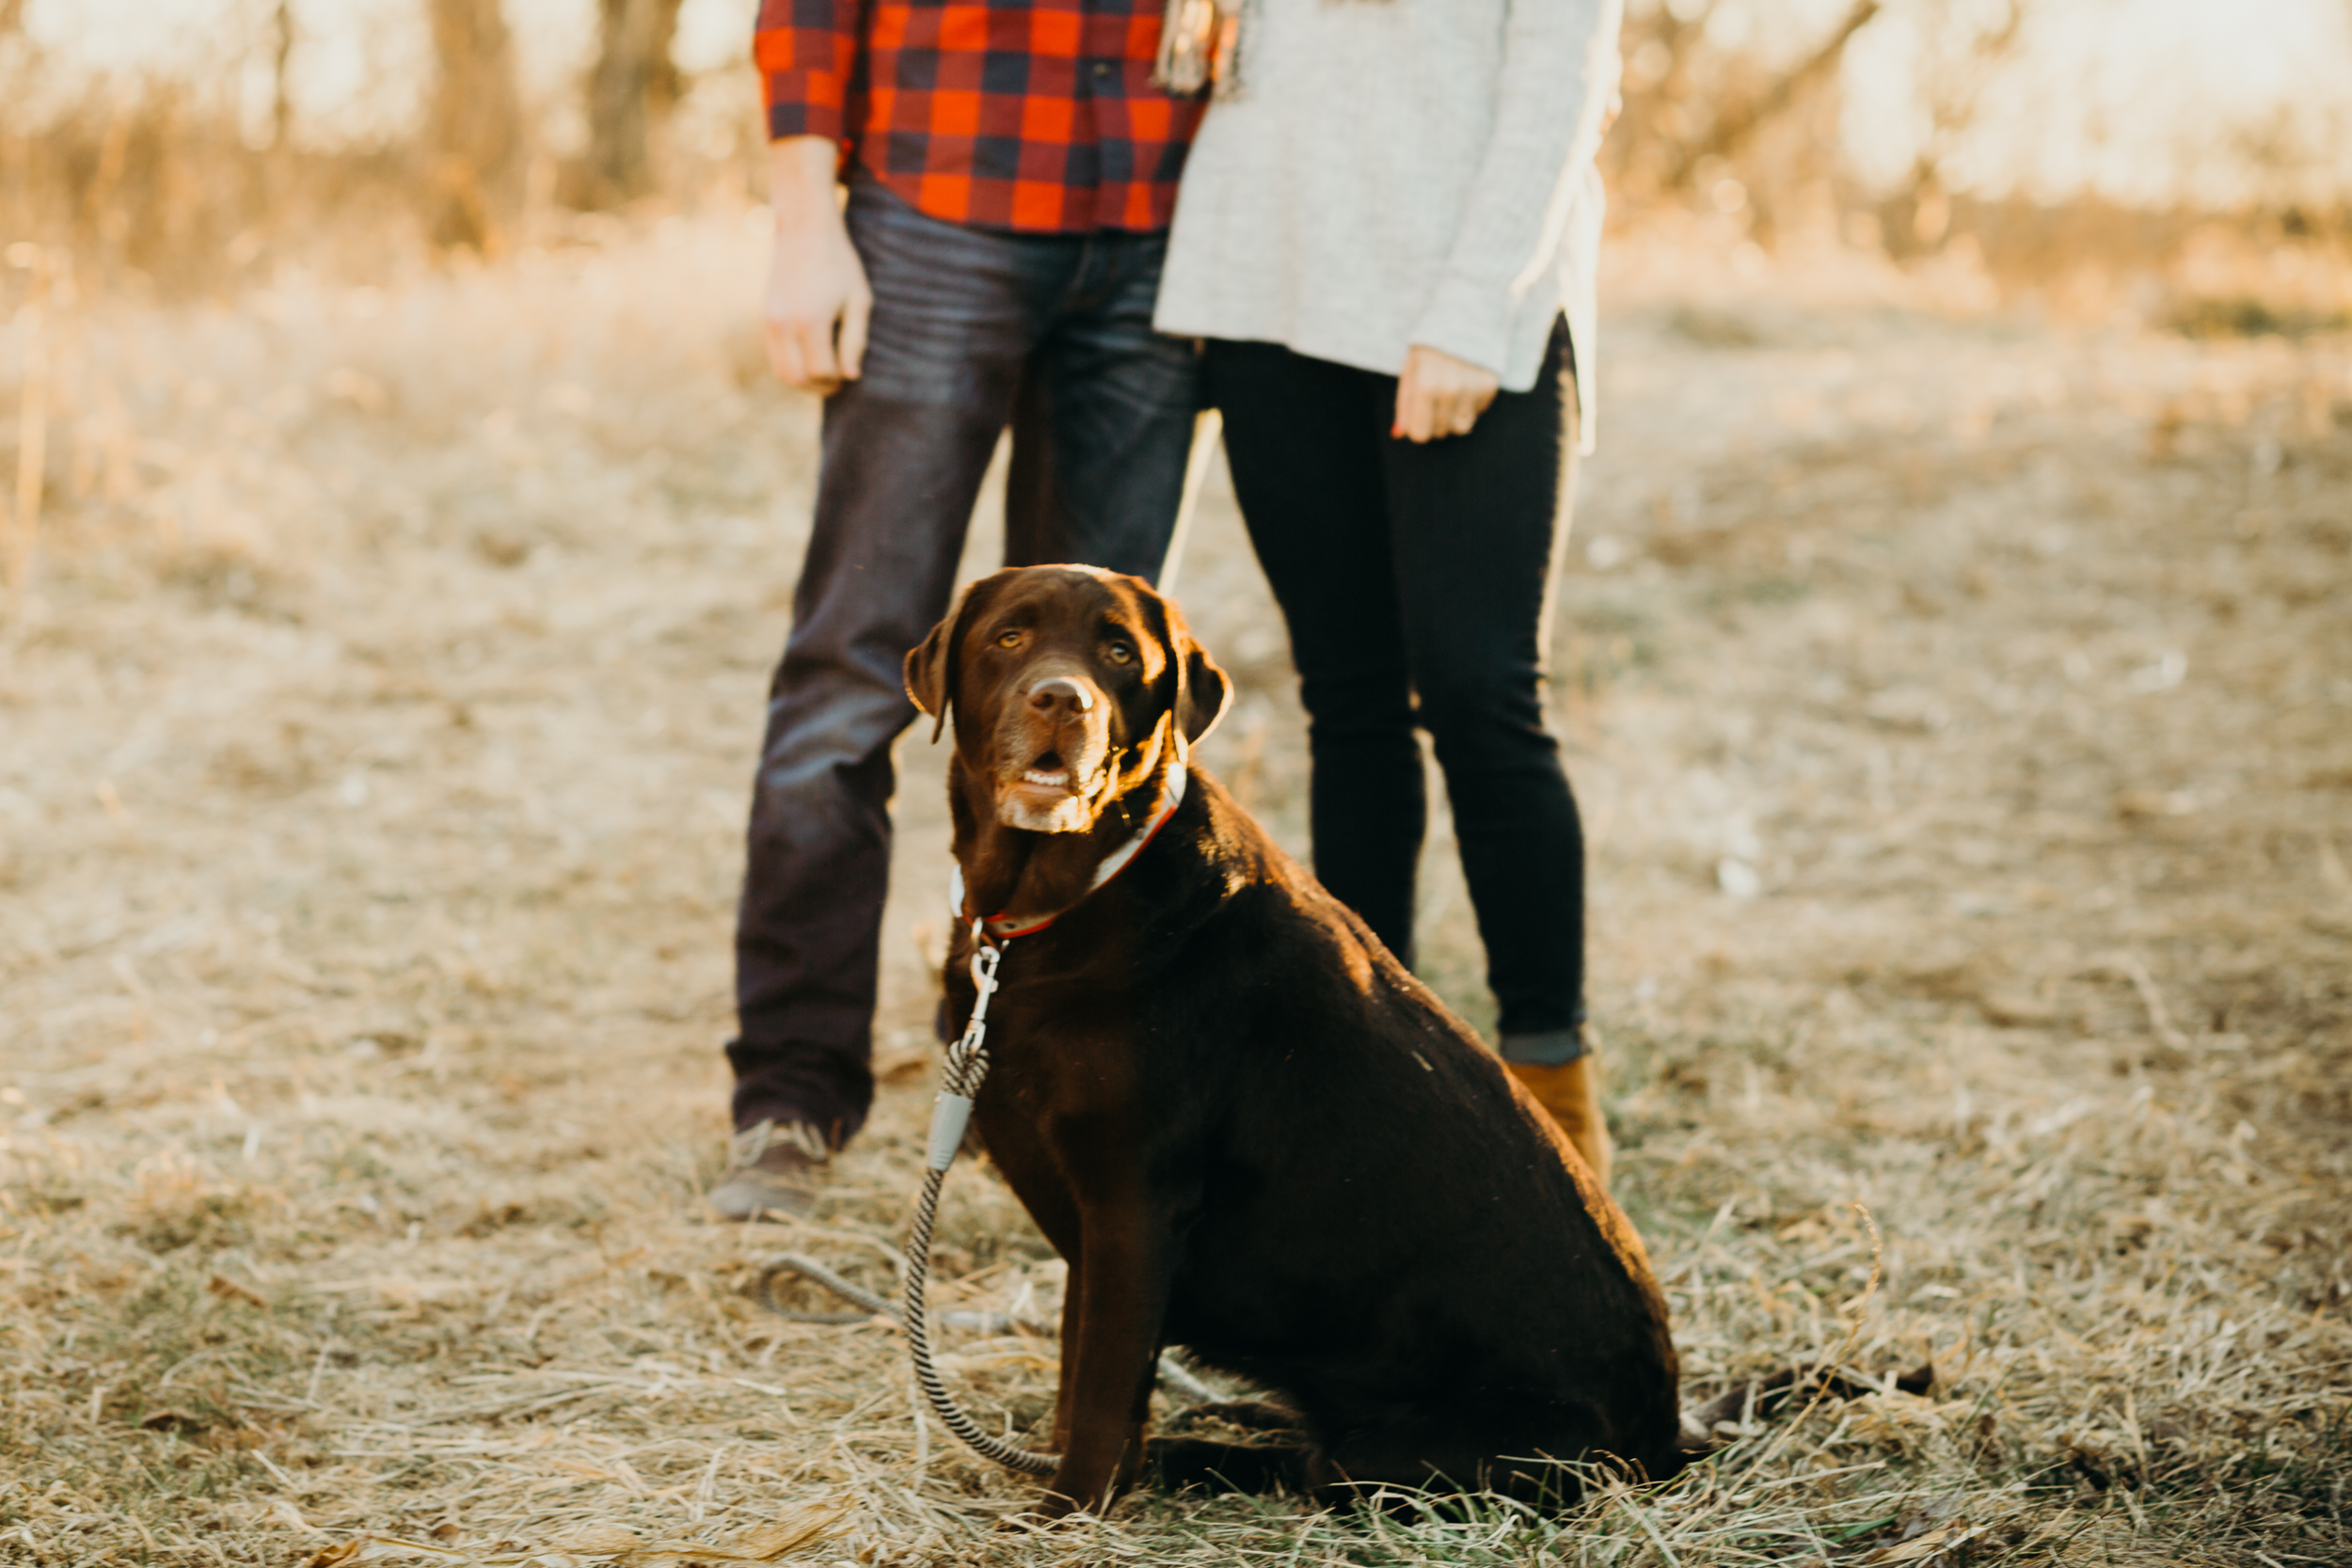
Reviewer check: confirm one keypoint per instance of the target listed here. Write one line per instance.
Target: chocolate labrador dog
(1247, 1128)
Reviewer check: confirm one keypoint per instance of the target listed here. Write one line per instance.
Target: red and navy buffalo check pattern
(1031, 115)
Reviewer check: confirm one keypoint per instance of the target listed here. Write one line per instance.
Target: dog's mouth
(1047, 774)
(1048, 796)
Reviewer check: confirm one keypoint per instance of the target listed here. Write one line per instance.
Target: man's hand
(818, 300)
(1439, 395)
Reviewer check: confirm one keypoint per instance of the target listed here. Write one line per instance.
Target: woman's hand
(1439, 395)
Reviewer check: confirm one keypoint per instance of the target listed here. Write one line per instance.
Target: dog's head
(1064, 683)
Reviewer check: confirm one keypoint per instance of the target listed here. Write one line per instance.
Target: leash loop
(961, 1077)
(965, 1067)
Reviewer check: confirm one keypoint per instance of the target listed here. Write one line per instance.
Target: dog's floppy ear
(1203, 691)
(931, 668)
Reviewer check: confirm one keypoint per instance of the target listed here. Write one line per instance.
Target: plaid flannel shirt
(1036, 116)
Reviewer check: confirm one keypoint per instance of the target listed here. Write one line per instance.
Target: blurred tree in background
(1910, 127)
(473, 129)
(1693, 106)
(1715, 119)
(630, 92)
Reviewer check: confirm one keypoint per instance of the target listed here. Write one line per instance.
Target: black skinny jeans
(1416, 581)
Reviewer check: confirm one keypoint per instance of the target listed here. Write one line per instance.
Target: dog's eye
(1009, 638)
(1120, 652)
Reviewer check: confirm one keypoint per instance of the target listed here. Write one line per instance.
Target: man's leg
(896, 486)
(955, 311)
(1123, 401)
(1037, 530)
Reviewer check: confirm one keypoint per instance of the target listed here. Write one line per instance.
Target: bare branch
(1733, 130)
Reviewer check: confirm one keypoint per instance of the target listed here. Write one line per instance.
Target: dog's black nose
(1060, 692)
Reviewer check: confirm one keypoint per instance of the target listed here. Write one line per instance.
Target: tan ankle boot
(1570, 1093)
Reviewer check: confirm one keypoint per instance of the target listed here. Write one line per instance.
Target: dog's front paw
(1051, 1509)
(1046, 1513)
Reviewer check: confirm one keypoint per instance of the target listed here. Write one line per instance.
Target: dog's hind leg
(1179, 1462)
(1248, 1414)
(1414, 1458)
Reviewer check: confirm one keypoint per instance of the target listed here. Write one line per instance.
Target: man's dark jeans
(1416, 582)
(965, 321)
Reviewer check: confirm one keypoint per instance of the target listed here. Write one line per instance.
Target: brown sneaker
(1569, 1092)
(775, 1167)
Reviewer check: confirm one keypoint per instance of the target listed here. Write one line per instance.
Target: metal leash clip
(967, 1059)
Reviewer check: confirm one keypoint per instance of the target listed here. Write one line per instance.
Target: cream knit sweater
(1399, 172)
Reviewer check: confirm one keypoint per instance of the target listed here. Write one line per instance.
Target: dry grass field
(1963, 713)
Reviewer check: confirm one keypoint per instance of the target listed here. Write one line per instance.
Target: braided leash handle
(966, 1067)
(952, 1415)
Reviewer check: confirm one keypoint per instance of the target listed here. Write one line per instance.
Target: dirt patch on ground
(1962, 717)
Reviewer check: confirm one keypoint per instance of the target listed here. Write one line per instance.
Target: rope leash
(1173, 1373)
(870, 1305)
(960, 1078)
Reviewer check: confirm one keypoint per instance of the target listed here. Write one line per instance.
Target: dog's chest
(1045, 1068)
